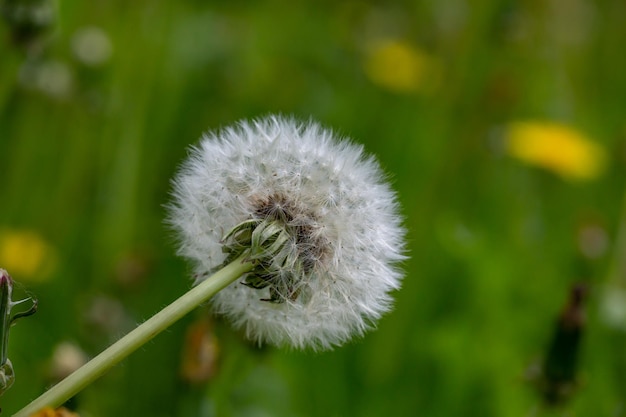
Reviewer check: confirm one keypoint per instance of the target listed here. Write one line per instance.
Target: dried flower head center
(280, 240)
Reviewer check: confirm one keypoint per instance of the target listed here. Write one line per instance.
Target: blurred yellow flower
(51, 412)
(399, 66)
(558, 148)
(26, 255)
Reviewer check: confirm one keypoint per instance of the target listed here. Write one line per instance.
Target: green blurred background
(100, 100)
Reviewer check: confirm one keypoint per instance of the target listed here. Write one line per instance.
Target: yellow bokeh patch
(398, 66)
(26, 255)
(557, 148)
(51, 412)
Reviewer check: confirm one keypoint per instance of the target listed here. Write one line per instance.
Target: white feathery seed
(349, 235)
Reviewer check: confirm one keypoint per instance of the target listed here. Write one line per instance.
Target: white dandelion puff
(320, 206)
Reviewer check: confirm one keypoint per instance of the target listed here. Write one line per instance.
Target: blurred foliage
(100, 100)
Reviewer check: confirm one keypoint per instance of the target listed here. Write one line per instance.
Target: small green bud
(7, 375)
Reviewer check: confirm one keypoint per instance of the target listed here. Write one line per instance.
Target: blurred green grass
(87, 150)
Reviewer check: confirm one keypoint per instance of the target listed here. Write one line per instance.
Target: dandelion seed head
(332, 278)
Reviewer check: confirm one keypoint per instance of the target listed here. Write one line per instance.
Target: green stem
(96, 367)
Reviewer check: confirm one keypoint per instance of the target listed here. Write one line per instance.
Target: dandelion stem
(96, 367)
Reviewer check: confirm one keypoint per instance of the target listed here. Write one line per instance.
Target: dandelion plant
(293, 233)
